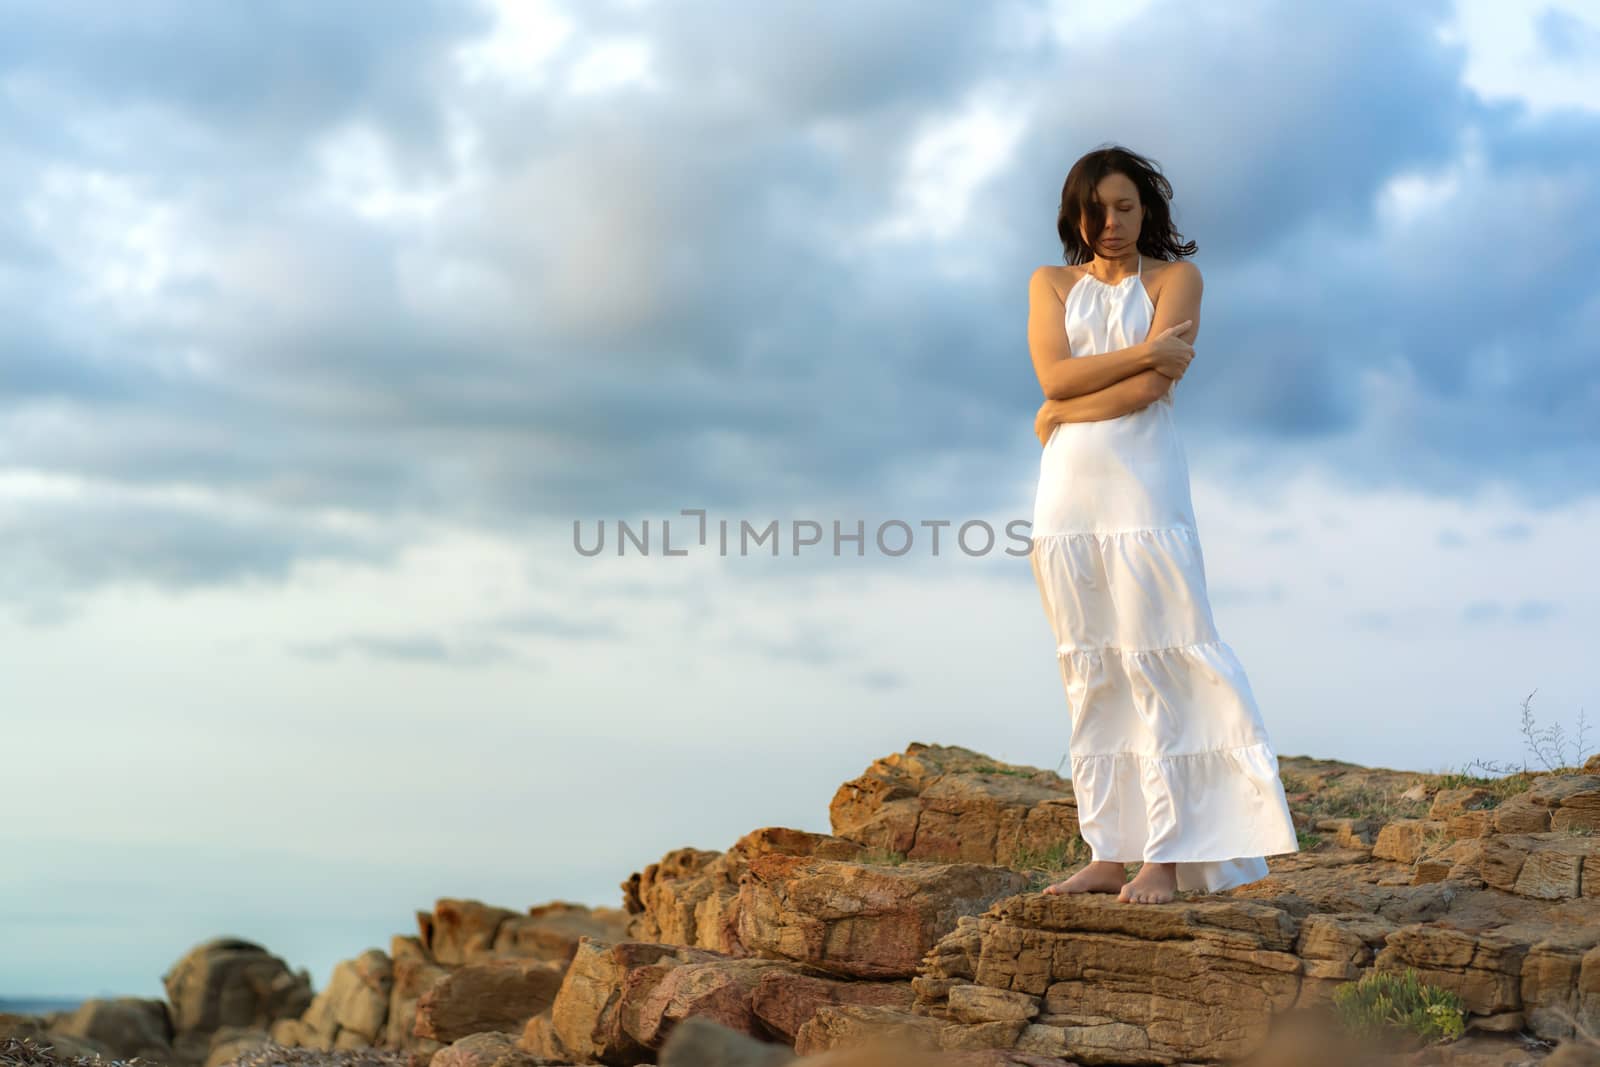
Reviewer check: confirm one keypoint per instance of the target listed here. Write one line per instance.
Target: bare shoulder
(1175, 269)
(1053, 278)
(1182, 271)
(1049, 278)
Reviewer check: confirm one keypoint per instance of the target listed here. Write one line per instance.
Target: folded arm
(1180, 301)
(1117, 399)
(1062, 375)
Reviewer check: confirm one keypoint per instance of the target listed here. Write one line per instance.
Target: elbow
(1058, 388)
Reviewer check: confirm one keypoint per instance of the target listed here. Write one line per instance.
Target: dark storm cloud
(640, 303)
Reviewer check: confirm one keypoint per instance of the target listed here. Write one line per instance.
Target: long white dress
(1170, 759)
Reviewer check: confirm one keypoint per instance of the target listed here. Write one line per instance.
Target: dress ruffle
(1170, 760)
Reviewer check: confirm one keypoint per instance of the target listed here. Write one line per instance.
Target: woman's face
(1124, 217)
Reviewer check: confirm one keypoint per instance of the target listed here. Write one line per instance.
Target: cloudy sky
(324, 323)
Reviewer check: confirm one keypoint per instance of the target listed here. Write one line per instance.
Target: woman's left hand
(1044, 422)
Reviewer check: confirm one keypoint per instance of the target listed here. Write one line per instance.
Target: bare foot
(1156, 883)
(1100, 876)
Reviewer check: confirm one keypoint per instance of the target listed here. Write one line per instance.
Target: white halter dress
(1170, 759)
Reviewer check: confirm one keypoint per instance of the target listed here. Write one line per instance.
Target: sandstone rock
(413, 976)
(489, 1048)
(1335, 949)
(690, 897)
(228, 1043)
(784, 1000)
(1470, 824)
(124, 1026)
(1482, 966)
(229, 982)
(1126, 983)
(703, 1042)
(843, 1026)
(459, 931)
(1450, 802)
(595, 1015)
(17, 1025)
(946, 803)
(1404, 840)
(1348, 833)
(494, 994)
(1521, 814)
(889, 928)
(858, 920)
(1546, 865)
(551, 931)
(356, 1003)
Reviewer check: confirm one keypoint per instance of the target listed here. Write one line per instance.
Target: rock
(946, 803)
(414, 975)
(595, 1015)
(690, 896)
(1404, 840)
(17, 1025)
(857, 920)
(783, 1000)
(552, 931)
(490, 1048)
(229, 1043)
(229, 982)
(125, 1027)
(496, 994)
(1450, 802)
(915, 931)
(620, 1002)
(702, 1042)
(459, 931)
(354, 1009)
(844, 1026)
(1348, 833)
(1121, 983)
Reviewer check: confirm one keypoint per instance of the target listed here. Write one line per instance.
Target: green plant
(1384, 1002)
(1293, 783)
(1432, 842)
(1307, 839)
(883, 857)
(1046, 866)
(990, 768)
(1380, 804)
(1055, 858)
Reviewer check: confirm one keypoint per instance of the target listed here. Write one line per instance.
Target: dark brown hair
(1157, 238)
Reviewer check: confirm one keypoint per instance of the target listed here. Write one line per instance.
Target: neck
(1114, 267)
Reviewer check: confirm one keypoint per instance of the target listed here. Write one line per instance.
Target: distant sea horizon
(39, 1005)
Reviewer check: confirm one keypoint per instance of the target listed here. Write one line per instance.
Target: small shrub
(1293, 783)
(1548, 745)
(1046, 867)
(1015, 772)
(1383, 1002)
(883, 857)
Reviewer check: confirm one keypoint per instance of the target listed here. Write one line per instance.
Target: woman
(1171, 765)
